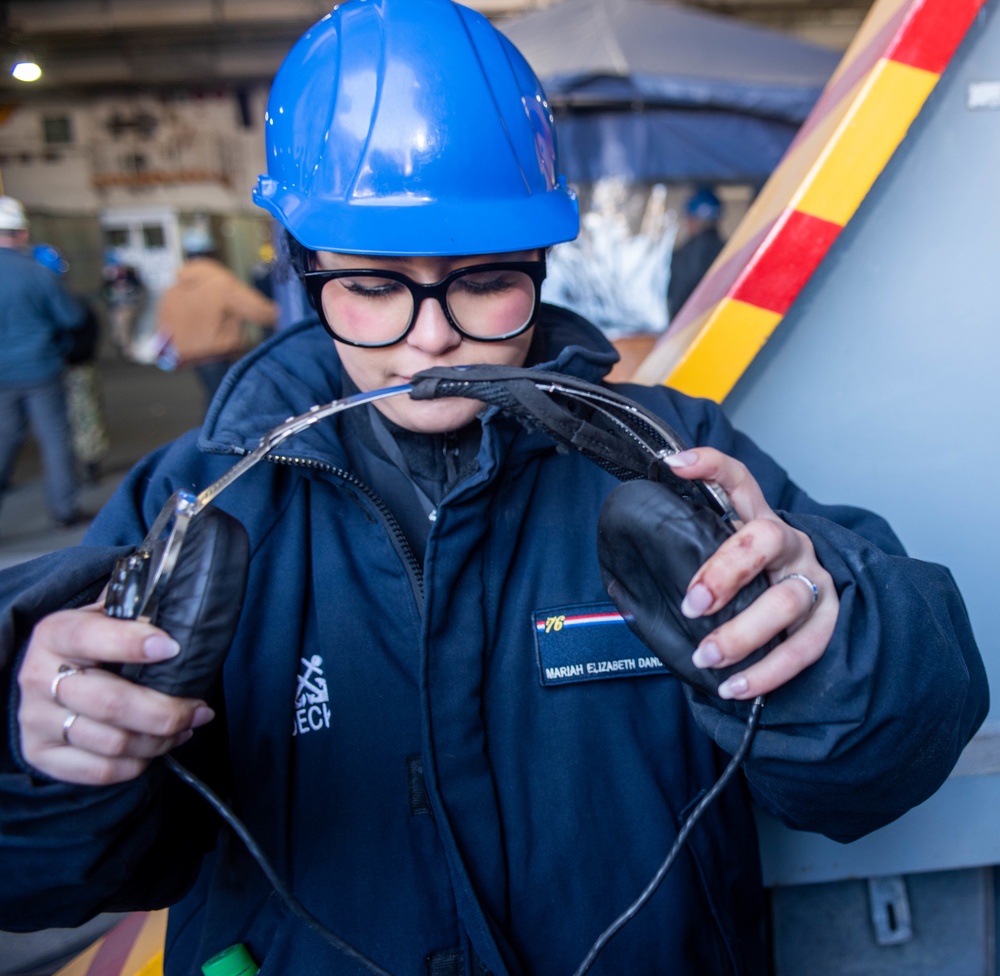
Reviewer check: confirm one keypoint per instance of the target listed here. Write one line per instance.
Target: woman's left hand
(766, 544)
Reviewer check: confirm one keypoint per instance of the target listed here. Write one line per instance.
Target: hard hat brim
(390, 226)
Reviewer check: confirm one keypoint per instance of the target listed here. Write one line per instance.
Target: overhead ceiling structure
(636, 97)
(593, 54)
(88, 47)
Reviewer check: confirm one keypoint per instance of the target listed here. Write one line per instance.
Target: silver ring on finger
(65, 670)
(67, 725)
(802, 578)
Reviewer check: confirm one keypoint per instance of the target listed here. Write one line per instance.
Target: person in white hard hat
(35, 311)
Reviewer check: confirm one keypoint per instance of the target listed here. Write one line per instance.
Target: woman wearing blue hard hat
(431, 718)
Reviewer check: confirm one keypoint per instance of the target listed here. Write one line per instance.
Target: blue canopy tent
(648, 91)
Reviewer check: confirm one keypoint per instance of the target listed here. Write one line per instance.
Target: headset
(654, 531)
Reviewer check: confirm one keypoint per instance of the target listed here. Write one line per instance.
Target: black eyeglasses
(372, 308)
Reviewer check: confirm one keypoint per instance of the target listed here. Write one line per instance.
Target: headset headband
(605, 427)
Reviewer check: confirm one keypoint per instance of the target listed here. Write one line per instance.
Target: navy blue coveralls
(445, 777)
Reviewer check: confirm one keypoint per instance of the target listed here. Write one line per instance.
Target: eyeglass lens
(372, 309)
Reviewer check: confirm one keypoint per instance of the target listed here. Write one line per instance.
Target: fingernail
(159, 647)
(697, 600)
(706, 655)
(731, 687)
(184, 737)
(682, 459)
(202, 716)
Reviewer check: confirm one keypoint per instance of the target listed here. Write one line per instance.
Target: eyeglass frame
(315, 281)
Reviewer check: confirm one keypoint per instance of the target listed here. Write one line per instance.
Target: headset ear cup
(201, 606)
(650, 543)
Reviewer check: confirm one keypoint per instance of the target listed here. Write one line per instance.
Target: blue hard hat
(703, 204)
(47, 256)
(412, 127)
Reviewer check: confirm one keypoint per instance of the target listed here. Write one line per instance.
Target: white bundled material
(616, 278)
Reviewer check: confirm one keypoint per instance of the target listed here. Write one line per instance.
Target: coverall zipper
(403, 549)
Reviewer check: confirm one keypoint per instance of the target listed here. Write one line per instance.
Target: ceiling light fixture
(25, 68)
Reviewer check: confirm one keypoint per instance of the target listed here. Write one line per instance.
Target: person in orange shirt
(204, 314)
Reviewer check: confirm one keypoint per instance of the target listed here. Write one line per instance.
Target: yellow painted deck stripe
(80, 964)
(865, 140)
(152, 968)
(146, 957)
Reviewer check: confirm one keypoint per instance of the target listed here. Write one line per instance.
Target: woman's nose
(432, 332)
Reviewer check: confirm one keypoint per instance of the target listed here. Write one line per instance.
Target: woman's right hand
(119, 726)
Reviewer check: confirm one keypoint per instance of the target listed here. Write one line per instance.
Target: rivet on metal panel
(890, 910)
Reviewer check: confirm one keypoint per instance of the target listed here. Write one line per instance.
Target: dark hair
(293, 258)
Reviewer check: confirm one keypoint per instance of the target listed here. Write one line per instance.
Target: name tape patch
(589, 643)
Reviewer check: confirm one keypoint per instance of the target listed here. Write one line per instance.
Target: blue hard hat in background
(47, 256)
(703, 204)
(410, 127)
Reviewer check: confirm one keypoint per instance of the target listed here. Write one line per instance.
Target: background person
(36, 313)
(204, 314)
(82, 380)
(387, 725)
(701, 246)
(124, 295)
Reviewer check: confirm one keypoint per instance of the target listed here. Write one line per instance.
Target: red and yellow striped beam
(866, 109)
